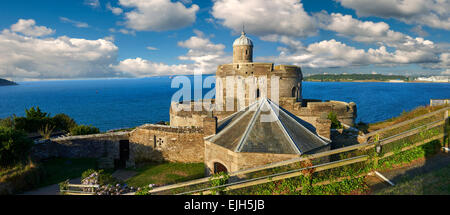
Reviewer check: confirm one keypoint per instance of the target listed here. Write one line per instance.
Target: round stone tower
(243, 49)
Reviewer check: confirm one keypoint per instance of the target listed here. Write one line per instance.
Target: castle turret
(243, 49)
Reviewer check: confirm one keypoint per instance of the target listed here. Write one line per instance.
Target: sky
(85, 39)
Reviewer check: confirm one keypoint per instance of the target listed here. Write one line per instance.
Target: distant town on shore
(373, 78)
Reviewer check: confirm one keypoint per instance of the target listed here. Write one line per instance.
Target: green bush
(84, 130)
(104, 178)
(7, 122)
(334, 121)
(14, 146)
(34, 120)
(63, 122)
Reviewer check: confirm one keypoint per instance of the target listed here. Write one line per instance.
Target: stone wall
(237, 161)
(311, 110)
(104, 146)
(256, 77)
(167, 143)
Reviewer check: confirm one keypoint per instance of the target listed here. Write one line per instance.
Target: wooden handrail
(373, 133)
(362, 146)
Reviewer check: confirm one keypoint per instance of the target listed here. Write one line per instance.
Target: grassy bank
(166, 173)
(433, 183)
(28, 176)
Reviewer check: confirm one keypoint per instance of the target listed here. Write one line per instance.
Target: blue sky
(80, 39)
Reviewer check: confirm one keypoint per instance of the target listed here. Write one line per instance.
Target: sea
(125, 103)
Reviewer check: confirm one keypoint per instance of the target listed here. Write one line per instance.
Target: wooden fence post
(446, 136)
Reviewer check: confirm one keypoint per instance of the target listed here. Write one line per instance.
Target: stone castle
(231, 139)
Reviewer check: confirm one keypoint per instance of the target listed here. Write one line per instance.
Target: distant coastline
(369, 78)
(365, 81)
(4, 82)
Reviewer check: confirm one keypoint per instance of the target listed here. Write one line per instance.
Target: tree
(15, 146)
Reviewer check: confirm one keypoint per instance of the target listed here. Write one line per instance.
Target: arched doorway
(218, 168)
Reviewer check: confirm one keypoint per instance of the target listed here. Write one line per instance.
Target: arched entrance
(218, 168)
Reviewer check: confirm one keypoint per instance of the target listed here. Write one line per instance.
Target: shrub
(14, 146)
(84, 130)
(63, 122)
(34, 120)
(334, 121)
(7, 122)
(46, 131)
(102, 178)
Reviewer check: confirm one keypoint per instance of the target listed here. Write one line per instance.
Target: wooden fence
(79, 189)
(370, 143)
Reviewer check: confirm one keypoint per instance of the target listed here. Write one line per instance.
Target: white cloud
(332, 53)
(114, 10)
(24, 57)
(204, 57)
(152, 48)
(28, 28)
(369, 32)
(92, 3)
(123, 31)
(158, 15)
(205, 54)
(139, 67)
(73, 22)
(267, 19)
(433, 13)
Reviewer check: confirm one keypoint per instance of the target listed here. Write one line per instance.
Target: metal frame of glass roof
(298, 137)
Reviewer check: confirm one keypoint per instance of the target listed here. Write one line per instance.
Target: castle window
(257, 93)
(154, 141)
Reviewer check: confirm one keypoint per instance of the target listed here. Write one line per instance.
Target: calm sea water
(121, 103)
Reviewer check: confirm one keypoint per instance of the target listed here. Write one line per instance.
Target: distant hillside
(355, 77)
(4, 82)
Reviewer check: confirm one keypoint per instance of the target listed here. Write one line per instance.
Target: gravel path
(50, 190)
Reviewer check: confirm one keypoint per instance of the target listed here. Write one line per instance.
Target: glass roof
(265, 128)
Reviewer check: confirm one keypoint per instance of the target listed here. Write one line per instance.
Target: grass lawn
(59, 169)
(433, 183)
(166, 173)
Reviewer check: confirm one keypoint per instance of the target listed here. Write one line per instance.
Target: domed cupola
(243, 49)
(243, 40)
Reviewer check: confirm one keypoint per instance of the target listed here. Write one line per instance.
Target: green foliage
(335, 123)
(63, 122)
(144, 191)
(216, 180)
(84, 130)
(104, 178)
(87, 173)
(14, 146)
(7, 122)
(64, 186)
(34, 120)
(46, 131)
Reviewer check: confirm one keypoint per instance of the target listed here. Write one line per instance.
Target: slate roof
(264, 127)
